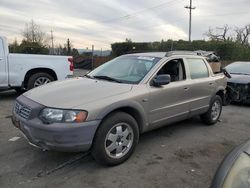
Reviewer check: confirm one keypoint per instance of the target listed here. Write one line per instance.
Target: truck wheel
(39, 79)
(116, 139)
(214, 111)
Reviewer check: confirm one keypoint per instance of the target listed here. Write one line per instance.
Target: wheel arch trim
(131, 107)
(30, 72)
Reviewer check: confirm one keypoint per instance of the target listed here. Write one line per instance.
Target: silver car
(109, 108)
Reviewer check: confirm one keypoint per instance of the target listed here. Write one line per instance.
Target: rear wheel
(214, 111)
(39, 79)
(115, 139)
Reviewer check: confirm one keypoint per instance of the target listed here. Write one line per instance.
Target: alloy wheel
(119, 140)
(216, 109)
(41, 81)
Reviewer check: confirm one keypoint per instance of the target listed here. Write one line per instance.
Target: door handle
(211, 83)
(1, 59)
(186, 88)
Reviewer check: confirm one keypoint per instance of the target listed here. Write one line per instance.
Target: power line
(190, 7)
(107, 43)
(182, 19)
(226, 14)
(128, 16)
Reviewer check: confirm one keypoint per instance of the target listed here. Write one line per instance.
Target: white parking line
(13, 139)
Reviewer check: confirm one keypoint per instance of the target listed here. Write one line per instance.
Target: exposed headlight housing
(51, 115)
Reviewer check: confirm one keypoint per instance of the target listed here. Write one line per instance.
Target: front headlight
(50, 115)
(239, 175)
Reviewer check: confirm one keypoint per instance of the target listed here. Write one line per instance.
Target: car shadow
(42, 163)
(9, 94)
(169, 130)
(240, 104)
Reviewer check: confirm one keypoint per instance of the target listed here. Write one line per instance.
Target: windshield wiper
(107, 78)
(88, 76)
(239, 73)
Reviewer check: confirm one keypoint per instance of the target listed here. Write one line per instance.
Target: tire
(124, 143)
(214, 111)
(37, 78)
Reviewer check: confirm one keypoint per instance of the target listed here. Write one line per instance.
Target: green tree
(68, 47)
(14, 47)
(32, 48)
(74, 52)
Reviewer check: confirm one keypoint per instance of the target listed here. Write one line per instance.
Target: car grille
(22, 110)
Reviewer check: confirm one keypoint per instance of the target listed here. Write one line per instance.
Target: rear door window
(197, 68)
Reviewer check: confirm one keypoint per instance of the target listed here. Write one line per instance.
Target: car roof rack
(171, 53)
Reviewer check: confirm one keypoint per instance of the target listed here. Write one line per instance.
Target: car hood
(71, 93)
(239, 79)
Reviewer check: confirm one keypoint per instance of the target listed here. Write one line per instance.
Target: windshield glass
(125, 69)
(239, 68)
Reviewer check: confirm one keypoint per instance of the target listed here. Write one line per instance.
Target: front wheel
(214, 111)
(116, 139)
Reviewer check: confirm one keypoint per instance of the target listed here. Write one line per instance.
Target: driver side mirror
(226, 73)
(162, 79)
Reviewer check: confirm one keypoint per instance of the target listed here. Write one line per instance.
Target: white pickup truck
(25, 71)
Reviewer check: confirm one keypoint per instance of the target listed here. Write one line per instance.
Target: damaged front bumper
(238, 92)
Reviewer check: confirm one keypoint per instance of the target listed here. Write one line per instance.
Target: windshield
(125, 69)
(239, 68)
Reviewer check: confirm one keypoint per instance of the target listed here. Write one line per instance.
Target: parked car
(109, 108)
(240, 81)
(25, 71)
(234, 171)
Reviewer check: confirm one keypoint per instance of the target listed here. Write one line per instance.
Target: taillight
(71, 65)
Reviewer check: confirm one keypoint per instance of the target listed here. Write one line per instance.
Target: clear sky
(102, 22)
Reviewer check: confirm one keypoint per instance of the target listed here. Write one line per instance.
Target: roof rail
(209, 55)
(171, 53)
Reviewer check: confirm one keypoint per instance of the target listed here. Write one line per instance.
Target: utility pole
(92, 63)
(190, 7)
(52, 41)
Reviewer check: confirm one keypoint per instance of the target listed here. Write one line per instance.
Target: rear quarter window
(197, 68)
